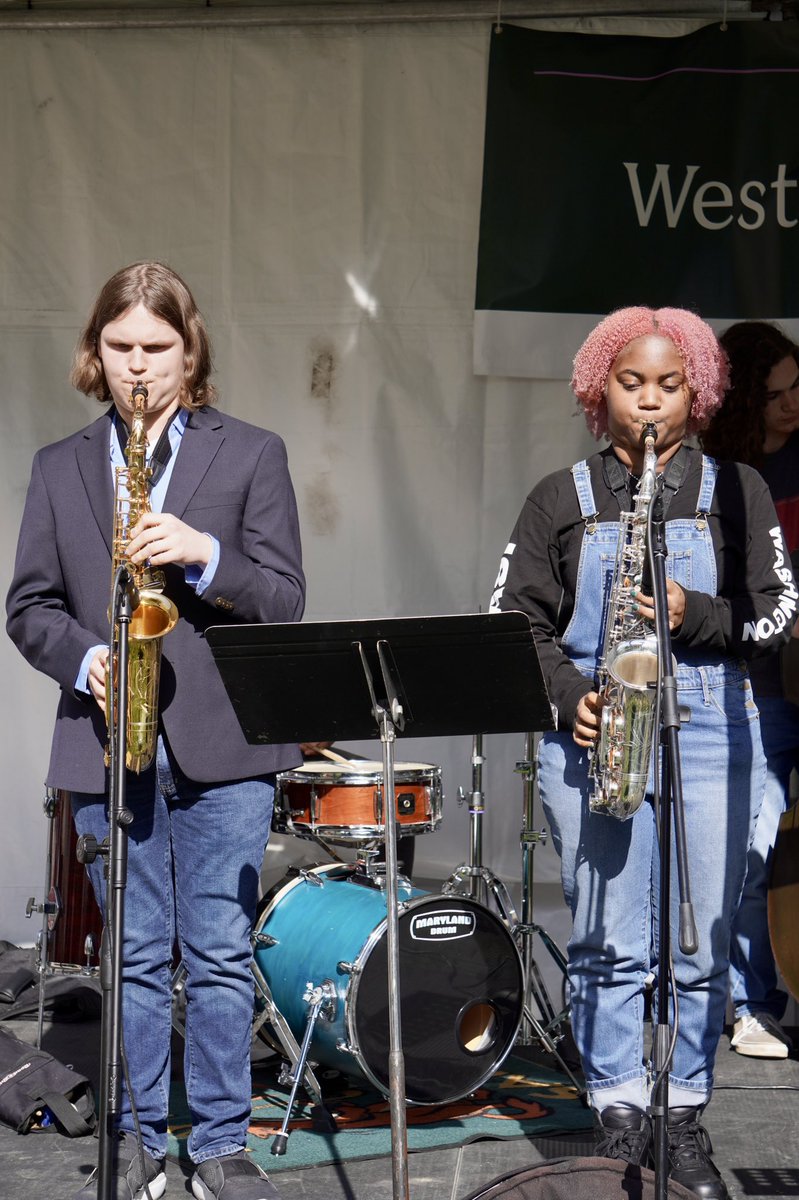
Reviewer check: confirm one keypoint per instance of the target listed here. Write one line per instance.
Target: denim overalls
(609, 868)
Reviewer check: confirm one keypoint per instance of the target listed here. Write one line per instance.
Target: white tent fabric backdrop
(319, 189)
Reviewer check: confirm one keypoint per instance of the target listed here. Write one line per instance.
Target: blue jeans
(753, 975)
(195, 852)
(610, 874)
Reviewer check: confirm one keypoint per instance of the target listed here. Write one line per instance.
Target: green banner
(636, 170)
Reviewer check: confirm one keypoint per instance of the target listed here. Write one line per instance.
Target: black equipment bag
(32, 1081)
(585, 1178)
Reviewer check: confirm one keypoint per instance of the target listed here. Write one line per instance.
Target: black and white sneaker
(132, 1178)
(235, 1177)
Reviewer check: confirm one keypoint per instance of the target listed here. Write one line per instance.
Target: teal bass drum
(461, 979)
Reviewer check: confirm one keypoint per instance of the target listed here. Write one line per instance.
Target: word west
(713, 204)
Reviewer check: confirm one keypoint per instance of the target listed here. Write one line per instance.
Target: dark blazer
(231, 480)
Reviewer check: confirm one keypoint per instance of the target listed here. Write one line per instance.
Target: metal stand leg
(321, 1001)
(50, 908)
(541, 1022)
(473, 879)
(272, 1015)
(549, 1027)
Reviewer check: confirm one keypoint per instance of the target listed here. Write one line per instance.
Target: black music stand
(437, 676)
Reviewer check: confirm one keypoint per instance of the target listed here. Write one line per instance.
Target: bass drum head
(461, 989)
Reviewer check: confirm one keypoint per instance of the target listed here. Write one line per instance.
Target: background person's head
(761, 406)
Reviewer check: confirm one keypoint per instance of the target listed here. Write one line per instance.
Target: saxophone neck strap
(624, 484)
(161, 453)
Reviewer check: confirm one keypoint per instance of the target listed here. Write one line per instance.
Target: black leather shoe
(624, 1132)
(690, 1151)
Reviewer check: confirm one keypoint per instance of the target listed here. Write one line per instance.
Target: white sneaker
(759, 1035)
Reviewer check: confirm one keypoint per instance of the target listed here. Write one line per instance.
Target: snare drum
(461, 979)
(343, 803)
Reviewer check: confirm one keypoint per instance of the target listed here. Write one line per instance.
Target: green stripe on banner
(638, 170)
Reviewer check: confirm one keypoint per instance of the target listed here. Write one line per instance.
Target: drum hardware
(69, 912)
(89, 952)
(321, 1001)
(268, 1013)
(371, 871)
(49, 909)
(550, 1030)
(474, 878)
(309, 877)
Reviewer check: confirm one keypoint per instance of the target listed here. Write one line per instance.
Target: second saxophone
(628, 668)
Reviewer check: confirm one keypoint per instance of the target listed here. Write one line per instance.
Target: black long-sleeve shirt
(756, 601)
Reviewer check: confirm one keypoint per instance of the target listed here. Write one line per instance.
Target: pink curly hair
(706, 366)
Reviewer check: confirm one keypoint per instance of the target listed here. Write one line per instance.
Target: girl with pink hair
(727, 596)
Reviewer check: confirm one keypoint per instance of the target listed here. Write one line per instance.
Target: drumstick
(339, 758)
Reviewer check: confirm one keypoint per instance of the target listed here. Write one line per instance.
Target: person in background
(222, 527)
(758, 424)
(664, 367)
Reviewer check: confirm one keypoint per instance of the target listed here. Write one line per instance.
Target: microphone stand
(390, 717)
(670, 795)
(125, 600)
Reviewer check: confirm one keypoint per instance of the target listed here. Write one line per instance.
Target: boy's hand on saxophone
(676, 600)
(160, 538)
(96, 676)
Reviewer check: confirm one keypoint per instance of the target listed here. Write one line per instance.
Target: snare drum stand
(50, 908)
(481, 884)
(549, 1031)
(479, 881)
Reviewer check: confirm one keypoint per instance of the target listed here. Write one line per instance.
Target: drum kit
(470, 987)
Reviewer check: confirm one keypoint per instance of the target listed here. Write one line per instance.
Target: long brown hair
(164, 294)
(738, 429)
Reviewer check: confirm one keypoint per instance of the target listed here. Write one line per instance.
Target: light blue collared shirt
(197, 579)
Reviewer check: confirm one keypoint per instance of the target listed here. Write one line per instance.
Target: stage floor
(752, 1120)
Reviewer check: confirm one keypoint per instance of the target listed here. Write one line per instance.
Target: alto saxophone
(628, 668)
(155, 615)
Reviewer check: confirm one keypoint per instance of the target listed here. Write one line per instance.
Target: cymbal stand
(480, 884)
(474, 879)
(50, 908)
(550, 1029)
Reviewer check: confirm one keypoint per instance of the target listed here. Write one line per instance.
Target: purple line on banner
(675, 71)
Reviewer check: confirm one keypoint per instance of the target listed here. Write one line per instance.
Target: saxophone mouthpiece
(650, 430)
(139, 390)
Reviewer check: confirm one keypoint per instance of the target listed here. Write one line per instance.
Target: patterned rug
(520, 1100)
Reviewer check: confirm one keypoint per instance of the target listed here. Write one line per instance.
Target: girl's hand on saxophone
(676, 599)
(587, 719)
(160, 538)
(96, 676)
